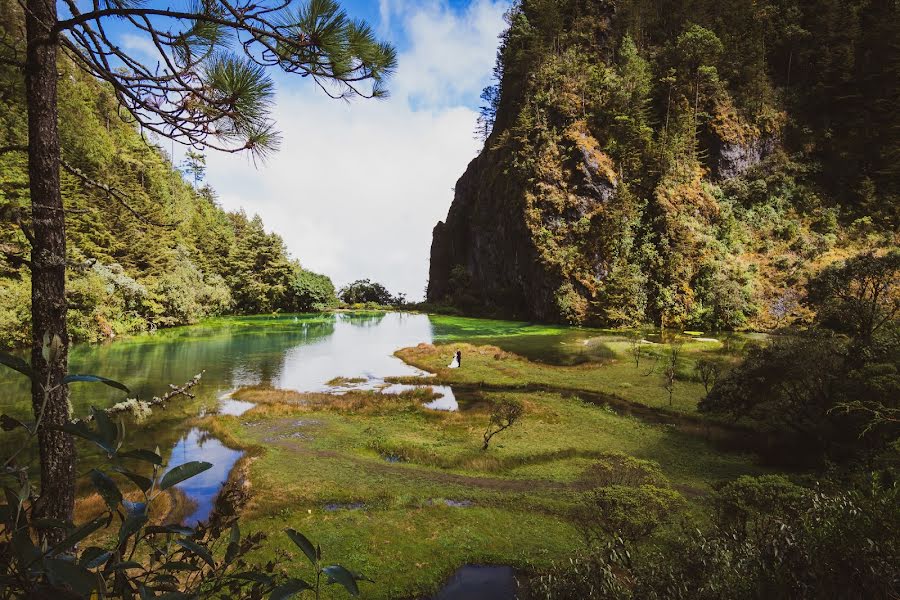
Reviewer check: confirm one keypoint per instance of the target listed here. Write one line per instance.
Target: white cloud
(356, 189)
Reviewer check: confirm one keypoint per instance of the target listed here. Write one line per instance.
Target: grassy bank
(405, 495)
(618, 375)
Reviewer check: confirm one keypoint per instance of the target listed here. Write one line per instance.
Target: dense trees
(833, 388)
(207, 88)
(363, 291)
(688, 163)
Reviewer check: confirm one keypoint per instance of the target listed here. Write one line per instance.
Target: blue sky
(357, 188)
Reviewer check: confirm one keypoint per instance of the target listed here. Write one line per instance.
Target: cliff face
(667, 162)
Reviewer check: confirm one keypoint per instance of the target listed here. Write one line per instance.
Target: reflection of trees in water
(148, 364)
(366, 319)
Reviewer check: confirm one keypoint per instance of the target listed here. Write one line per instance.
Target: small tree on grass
(504, 414)
(709, 371)
(635, 343)
(671, 373)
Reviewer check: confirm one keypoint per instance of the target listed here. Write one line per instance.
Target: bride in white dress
(457, 359)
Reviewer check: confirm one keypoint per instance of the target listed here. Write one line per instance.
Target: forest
(668, 290)
(156, 251)
(687, 164)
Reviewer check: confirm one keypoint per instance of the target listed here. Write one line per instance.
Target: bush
(311, 292)
(364, 291)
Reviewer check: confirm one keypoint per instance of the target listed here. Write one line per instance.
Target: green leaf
(288, 589)
(144, 455)
(182, 472)
(144, 483)
(198, 550)
(65, 573)
(81, 430)
(107, 488)
(234, 544)
(93, 557)
(106, 429)
(176, 529)
(72, 378)
(78, 534)
(338, 574)
(16, 364)
(303, 543)
(131, 525)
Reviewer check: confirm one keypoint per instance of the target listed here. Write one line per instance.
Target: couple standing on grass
(457, 360)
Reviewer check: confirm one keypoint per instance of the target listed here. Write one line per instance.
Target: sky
(357, 187)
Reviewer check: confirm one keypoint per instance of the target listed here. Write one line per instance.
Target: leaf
(81, 430)
(8, 423)
(338, 574)
(288, 589)
(93, 557)
(182, 472)
(78, 534)
(72, 378)
(176, 565)
(144, 455)
(176, 529)
(131, 525)
(303, 543)
(198, 550)
(144, 483)
(107, 488)
(65, 573)
(234, 545)
(16, 364)
(257, 577)
(106, 429)
(135, 508)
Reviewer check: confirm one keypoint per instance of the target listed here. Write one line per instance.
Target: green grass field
(405, 495)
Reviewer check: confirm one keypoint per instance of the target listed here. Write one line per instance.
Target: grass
(617, 376)
(313, 450)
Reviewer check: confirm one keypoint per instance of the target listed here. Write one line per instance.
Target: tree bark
(49, 395)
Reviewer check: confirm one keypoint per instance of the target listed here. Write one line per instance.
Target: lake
(298, 352)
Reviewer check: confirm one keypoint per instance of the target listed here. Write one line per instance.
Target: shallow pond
(299, 352)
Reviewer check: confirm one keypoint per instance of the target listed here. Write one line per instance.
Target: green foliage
(769, 538)
(122, 552)
(822, 385)
(364, 291)
(311, 292)
(630, 513)
(674, 163)
(126, 276)
(860, 296)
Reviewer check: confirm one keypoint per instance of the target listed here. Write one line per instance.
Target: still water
(298, 352)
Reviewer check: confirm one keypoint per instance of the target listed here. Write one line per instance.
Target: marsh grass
(353, 401)
(489, 366)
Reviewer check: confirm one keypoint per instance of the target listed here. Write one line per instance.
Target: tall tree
(207, 87)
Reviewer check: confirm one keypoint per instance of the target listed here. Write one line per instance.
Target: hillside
(686, 163)
(126, 273)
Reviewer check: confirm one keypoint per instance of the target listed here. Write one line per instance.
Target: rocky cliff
(672, 162)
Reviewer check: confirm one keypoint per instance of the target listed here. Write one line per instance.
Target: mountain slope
(124, 274)
(688, 163)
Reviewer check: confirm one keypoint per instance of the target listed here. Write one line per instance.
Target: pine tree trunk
(49, 395)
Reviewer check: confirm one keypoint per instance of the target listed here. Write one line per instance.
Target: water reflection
(477, 582)
(203, 488)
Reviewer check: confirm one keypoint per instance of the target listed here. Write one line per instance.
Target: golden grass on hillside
(355, 401)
